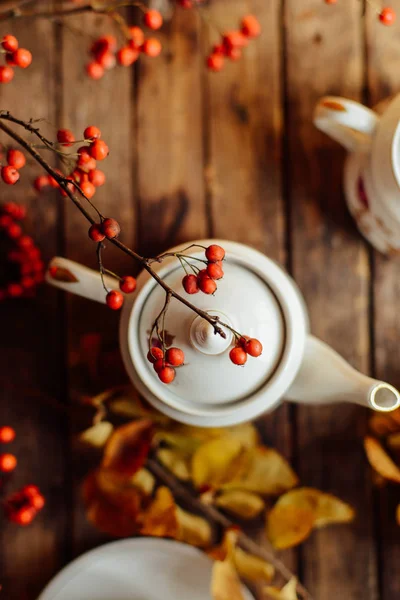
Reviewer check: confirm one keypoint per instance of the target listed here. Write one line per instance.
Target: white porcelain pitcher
(372, 172)
(258, 299)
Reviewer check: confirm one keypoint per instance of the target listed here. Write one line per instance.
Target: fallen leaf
(218, 461)
(327, 509)
(128, 447)
(160, 518)
(97, 436)
(245, 433)
(177, 441)
(380, 460)
(268, 474)
(192, 529)
(144, 481)
(288, 592)
(241, 503)
(176, 462)
(126, 402)
(225, 583)
(252, 567)
(288, 526)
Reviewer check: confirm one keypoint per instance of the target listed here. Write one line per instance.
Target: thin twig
(180, 491)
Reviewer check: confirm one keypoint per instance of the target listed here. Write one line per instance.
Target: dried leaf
(245, 433)
(225, 583)
(380, 460)
(252, 567)
(327, 508)
(218, 461)
(97, 436)
(176, 462)
(241, 503)
(62, 274)
(268, 474)
(127, 403)
(128, 447)
(144, 481)
(160, 518)
(227, 547)
(182, 443)
(288, 592)
(288, 526)
(192, 529)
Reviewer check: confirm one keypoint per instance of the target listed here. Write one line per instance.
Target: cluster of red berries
(106, 55)
(165, 364)
(189, 3)
(15, 57)
(24, 268)
(386, 15)
(205, 280)
(245, 346)
(233, 42)
(114, 298)
(22, 506)
(15, 161)
(85, 172)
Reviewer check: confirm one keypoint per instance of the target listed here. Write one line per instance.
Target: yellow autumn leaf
(288, 526)
(176, 462)
(241, 503)
(126, 402)
(327, 509)
(225, 583)
(192, 529)
(245, 433)
(177, 441)
(218, 461)
(96, 436)
(288, 592)
(380, 460)
(159, 520)
(268, 473)
(144, 481)
(252, 567)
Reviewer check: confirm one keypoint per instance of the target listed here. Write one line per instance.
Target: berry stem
(101, 269)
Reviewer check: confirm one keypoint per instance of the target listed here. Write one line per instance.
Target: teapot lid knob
(203, 337)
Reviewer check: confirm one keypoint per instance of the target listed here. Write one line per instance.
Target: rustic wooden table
(231, 155)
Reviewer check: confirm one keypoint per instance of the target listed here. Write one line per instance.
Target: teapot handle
(73, 277)
(346, 121)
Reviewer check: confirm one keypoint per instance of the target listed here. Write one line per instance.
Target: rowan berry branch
(65, 184)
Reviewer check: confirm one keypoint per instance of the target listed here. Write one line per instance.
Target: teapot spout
(325, 377)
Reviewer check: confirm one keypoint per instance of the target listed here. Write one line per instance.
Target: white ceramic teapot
(258, 299)
(372, 172)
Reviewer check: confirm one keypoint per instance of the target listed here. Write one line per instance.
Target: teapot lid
(256, 298)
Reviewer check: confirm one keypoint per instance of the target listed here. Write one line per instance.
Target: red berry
(97, 177)
(253, 347)
(9, 175)
(91, 133)
(158, 365)
(8, 462)
(155, 354)
(86, 162)
(10, 43)
(105, 42)
(65, 137)
(30, 490)
(387, 16)
(137, 37)
(37, 501)
(153, 19)
(110, 228)
(7, 434)
(6, 74)
(127, 284)
(114, 300)
(190, 284)
(235, 39)
(16, 159)
(243, 341)
(41, 182)
(22, 58)
(95, 233)
(14, 290)
(152, 47)
(251, 26)
(88, 189)
(215, 253)
(238, 356)
(202, 273)
(14, 231)
(27, 282)
(207, 285)
(24, 516)
(234, 53)
(25, 242)
(5, 221)
(185, 3)
(175, 357)
(11, 209)
(167, 375)
(330, 1)
(99, 150)
(215, 62)
(126, 56)
(94, 70)
(106, 59)
(219, 49)
(215, 270)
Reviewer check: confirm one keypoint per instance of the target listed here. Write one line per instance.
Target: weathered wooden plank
(169, 138)
(31, 350)
(330, 263)
(244, 156)
(383, 80)
(107, 104)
